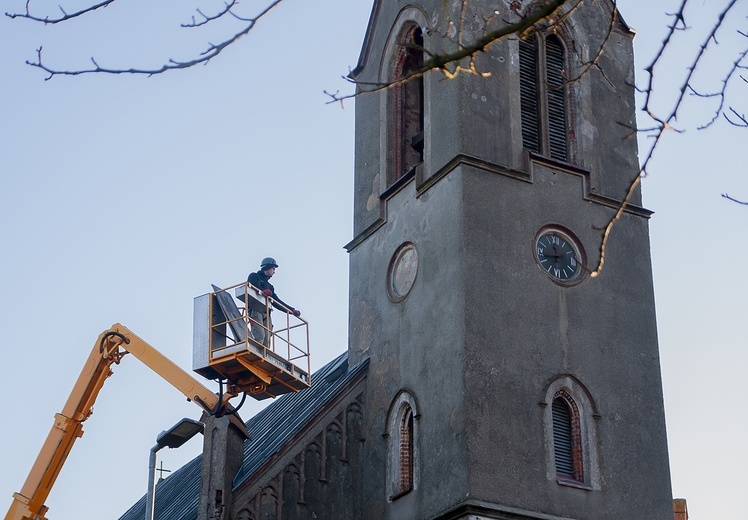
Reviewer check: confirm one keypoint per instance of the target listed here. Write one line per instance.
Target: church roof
(177, 496)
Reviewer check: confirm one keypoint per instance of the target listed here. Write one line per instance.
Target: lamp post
(174, 437)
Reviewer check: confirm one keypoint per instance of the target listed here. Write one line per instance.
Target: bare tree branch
(663, 124)
(441, 62)
(65, 16)
(543, 16)
(462, 22)
(680, 24)
(723, 91)
(207, 19)
(596, 59)
(612, 222)
(726, 196)
(741, 122)
(208, 54)
(530, 23)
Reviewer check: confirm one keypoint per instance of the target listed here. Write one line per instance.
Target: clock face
(558, 256)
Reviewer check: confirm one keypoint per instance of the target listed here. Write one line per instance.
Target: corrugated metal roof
(177, 496)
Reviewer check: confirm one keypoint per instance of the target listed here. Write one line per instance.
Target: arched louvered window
(407, 106)
(543, 96)
(567, 439)
(406, 450)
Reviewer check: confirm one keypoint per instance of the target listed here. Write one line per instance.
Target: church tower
(503, 381)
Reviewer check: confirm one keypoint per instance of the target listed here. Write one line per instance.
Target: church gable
(299, 440)
(314, 475)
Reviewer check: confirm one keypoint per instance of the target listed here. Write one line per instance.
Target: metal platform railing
(245, 348)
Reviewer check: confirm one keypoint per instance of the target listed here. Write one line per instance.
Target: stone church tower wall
(452, 303)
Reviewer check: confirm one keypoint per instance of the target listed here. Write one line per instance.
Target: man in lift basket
(261, 322)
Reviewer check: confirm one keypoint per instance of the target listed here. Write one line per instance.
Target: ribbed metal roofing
(177, 496)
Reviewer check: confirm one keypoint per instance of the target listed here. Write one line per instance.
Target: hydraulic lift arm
(110, 347)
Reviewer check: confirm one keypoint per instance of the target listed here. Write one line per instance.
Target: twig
(206, 19)
(442, 61)
(211, 52)
(65, 16)
(726, 196)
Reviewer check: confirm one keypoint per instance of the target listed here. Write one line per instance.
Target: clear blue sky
(123, 198)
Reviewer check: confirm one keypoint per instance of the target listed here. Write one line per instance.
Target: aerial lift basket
(225, 348)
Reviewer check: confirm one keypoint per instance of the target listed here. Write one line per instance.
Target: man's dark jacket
(262, 282)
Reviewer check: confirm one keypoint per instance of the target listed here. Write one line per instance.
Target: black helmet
(267, 263)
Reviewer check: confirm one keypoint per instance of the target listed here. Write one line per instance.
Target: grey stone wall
(484, 334)
(479, 117)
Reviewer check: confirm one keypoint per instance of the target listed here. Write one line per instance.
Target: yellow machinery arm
(110, 347)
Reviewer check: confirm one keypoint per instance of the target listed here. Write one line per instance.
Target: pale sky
(122, 198)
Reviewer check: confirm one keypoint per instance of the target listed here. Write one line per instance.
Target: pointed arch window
(543, 96)
(406, 450)
(567, 438)
(569, 423)
(402, 459)
(407, 142)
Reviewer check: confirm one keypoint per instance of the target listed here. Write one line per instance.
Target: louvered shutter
(528, 86)
(562, 438)
(554, 56)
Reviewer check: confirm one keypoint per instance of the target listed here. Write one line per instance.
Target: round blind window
(402, 272)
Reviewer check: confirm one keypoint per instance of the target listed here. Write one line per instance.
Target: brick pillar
(680, 511)
(223, 454)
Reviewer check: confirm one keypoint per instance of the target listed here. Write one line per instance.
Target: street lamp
(174, 437)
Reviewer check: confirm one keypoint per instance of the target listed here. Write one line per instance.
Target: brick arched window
(407, 105)
(543, 96)
(402, 447)
(406, 450)
(567, 438)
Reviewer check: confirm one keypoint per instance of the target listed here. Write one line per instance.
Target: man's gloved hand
(296, 312)
(267, 292)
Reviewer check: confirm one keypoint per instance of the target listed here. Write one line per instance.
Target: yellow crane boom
(111, 346)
